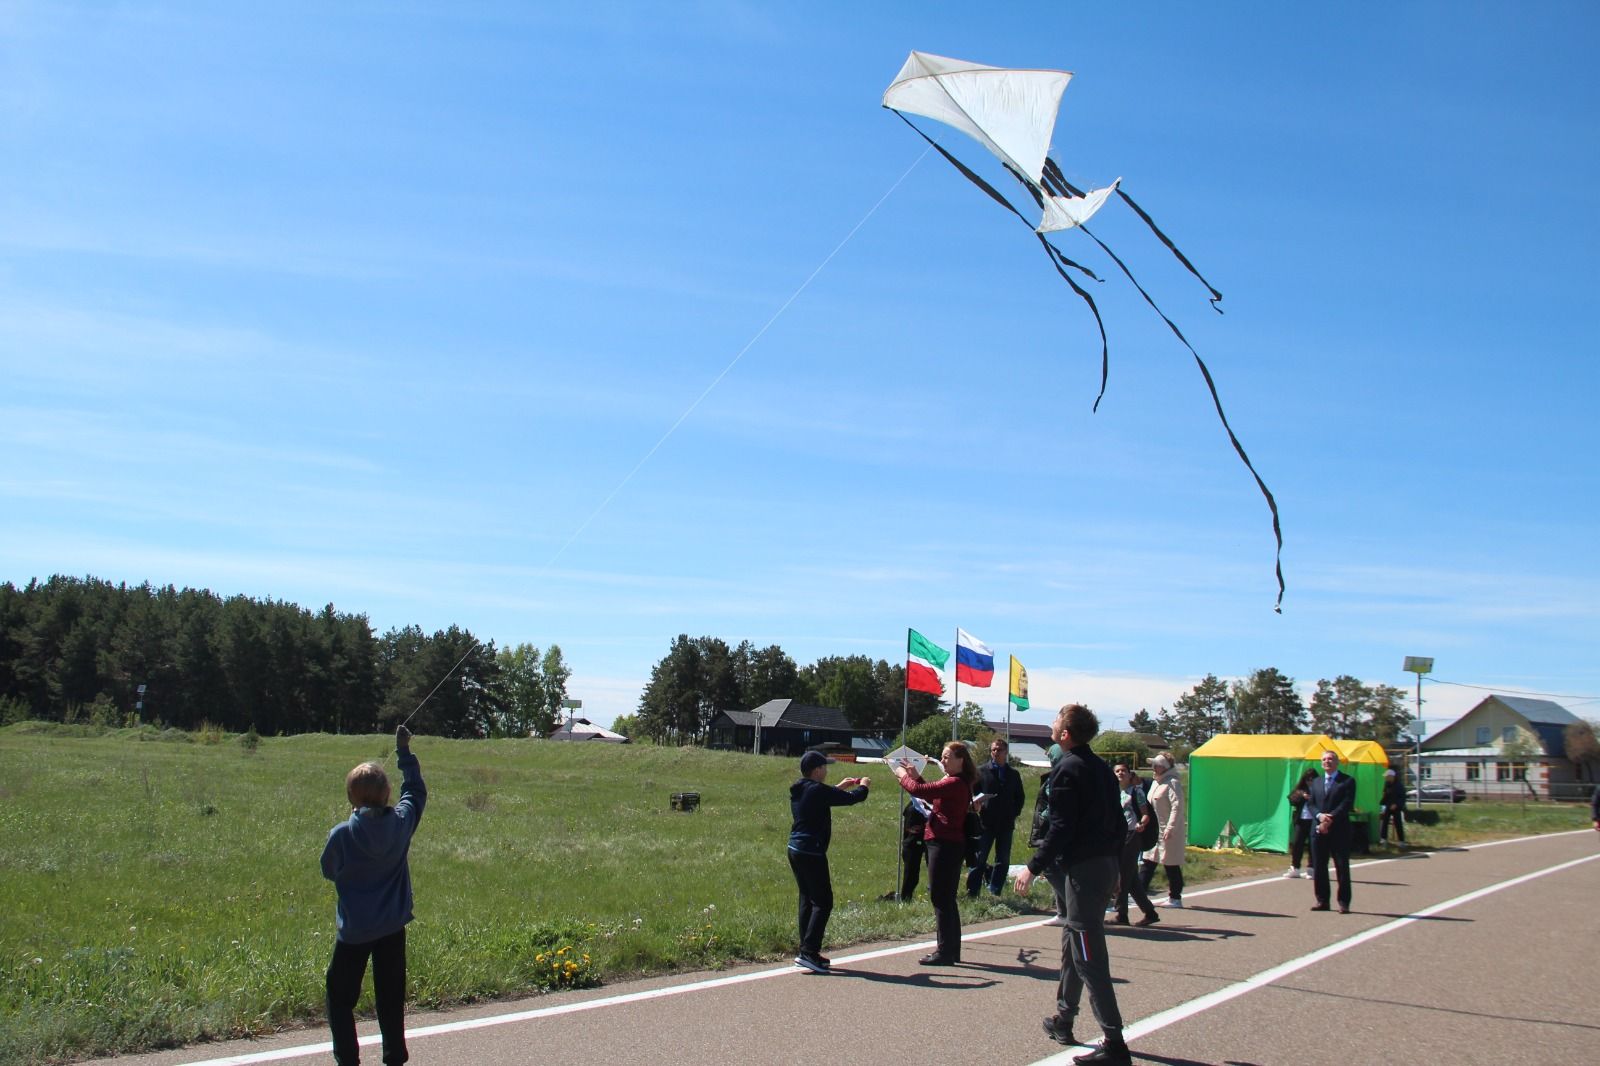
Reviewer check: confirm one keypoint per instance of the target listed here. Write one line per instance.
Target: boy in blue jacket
(365, 858)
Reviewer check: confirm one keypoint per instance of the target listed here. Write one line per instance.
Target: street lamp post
(1419, 665)
(757, 747)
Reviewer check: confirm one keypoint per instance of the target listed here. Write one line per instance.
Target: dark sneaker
(1059, 1029)
(814, 963)
(1150, 919)
(1114, 1054)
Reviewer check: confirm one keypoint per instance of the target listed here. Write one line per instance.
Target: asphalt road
(1476, 955)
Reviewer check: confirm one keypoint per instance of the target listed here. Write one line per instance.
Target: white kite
(1012, 113)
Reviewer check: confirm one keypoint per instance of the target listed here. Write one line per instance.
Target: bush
(13, 711)
(1120, 745)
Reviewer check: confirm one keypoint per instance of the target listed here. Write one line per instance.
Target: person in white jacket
(1166, 800)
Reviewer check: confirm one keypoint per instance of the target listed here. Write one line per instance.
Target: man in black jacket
(1085, 836)
(1004, 799)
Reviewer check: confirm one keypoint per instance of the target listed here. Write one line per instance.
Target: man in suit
(1332, 796)
(1002, 786)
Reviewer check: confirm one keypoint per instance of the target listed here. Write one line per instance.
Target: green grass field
(157, 892)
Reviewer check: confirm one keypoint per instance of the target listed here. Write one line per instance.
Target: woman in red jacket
(946, 836)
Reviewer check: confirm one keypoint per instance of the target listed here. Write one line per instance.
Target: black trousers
(1398, 815)
(944, 880)
(1147, 873)
(1299, 837)
(1084, 962)
(912, 851)
(1337, 846)
(816, 898)
(345, 972)
(1130, 883)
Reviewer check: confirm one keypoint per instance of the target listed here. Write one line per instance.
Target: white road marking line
(1182, 1011)
(372, 1040)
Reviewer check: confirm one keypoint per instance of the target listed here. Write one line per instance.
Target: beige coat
(1166, 799)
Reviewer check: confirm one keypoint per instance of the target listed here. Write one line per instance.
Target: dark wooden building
(786, 727)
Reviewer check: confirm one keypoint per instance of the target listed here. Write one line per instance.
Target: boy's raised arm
(413, 793)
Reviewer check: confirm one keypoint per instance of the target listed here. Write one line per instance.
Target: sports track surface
(1484, 954)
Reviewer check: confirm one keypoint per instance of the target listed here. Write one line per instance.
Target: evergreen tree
(1142, 723)
(1200, 714)
(1266, 703)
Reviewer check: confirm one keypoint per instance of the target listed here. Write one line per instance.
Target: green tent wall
(1246, 779)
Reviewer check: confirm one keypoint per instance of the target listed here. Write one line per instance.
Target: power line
(1515, 691)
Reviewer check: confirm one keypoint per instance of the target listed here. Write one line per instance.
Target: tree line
(84, 649)
(1267, 702)
(702, 675)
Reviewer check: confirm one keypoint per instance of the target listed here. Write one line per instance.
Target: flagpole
(955, 701)
(900, 839)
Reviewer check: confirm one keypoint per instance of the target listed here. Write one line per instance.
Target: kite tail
(1060, 262)
(1216, 297)
(1057, 184)
(1272, 503)
(994, 194)
(1058, 259)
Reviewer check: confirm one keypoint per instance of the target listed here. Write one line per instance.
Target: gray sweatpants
(1090, 883)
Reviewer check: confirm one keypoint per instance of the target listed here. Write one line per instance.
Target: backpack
(1041, 813)
(1150, 834)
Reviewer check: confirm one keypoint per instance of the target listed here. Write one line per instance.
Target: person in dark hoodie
(811, 803)
(365, 858)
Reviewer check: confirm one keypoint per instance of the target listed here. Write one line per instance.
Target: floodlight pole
(1419, 665)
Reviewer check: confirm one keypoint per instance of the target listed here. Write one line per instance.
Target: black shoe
(1150, 919)
(1059, 1029)
(936, 959)
(1108, 1052)
(1120, 919)
(814, 963)
(1320, 907)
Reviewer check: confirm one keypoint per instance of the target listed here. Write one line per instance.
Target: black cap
(811, 760)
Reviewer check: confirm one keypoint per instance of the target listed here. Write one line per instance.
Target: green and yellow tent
(1244, 780)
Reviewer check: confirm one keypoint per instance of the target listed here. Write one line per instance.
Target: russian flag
(974, 660)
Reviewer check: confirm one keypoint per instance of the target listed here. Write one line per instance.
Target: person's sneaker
(1170, 902)
(1293, 871)
(1116, 1054)
(1059, 1030)
(1058, 920)
(814, 963)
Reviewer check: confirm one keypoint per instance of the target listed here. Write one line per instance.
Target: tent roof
(1271, 746)
(1307, 746)
(1362, 751)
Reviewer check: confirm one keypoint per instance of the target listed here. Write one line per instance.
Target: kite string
(732, 363)
(691, 408)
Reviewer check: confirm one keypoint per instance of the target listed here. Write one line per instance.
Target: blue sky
(414, 309)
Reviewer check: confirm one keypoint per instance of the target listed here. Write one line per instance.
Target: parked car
(1439, 794)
